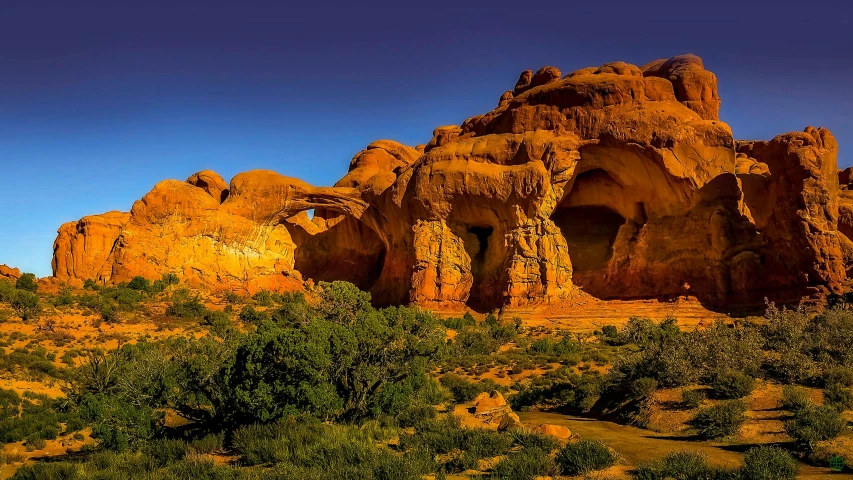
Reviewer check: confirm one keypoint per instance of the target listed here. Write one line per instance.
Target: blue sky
(99, 104)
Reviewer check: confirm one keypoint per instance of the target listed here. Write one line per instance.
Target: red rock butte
(619, 181)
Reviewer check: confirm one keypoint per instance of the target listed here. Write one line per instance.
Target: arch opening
(347, 250)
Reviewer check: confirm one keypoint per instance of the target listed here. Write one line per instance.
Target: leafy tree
(27, 282)
(342, 302)
(26, 305)
(140, 284)
(341, 366)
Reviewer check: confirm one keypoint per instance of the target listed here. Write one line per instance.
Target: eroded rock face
(618, 180)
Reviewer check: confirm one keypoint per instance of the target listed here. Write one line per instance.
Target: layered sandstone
(618, 180)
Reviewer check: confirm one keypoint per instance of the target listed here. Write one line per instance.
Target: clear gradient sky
(99, 104)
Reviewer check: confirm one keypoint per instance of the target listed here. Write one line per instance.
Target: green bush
(795, 398)
(721, 420)
(839, 396)
(7, 291)
(457, 323)
(685, 465)
(584, 456)
(64, 298)
(464, 390)
(140, 284)
(610, 332)
(732, 385)
(109, 312)
(187, 308)
(643, 388)
(28, 283)
(526, 464)
(692, 398)
(537, 441)
(250, 315)
(26, 305)
(814, 424)
(769, 463)
(263, 298)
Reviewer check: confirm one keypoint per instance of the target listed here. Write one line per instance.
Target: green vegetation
(582, 457)
(720, 420)
(28, 283)
(334, 387)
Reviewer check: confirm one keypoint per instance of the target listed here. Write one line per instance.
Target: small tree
(26, 305)
(27, 282)
(139, 283)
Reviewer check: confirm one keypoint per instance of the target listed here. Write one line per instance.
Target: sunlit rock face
(617, 180)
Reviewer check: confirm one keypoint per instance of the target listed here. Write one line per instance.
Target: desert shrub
(186, 308)
(721, 420)
(474, 341)
(48, 471)
(249, 315)
(109, 312)
(795, 398)
(64, 298)
(140, 284)
(842, 376)
(643, 388)
(457, 323)
(610, 332)
(293, 310)
(216, 318)
(547, 346)
(732, 385)
(692, 398)
(839, 396)
(561, 388)
(90, 284)
(26, 305)
(536, 441)
(769, 463)
(584, 456)
(526, 464)
(415, 415)
(464, 390)
(814, 424)
(306, 449)
(34, 418)
(686, 465)
(165, 452)
(27, 282)
(341, 302)
(208, 444)
(263, 298)
(7, 291)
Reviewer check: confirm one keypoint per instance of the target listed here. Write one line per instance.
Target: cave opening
(479, 297)
(590, 231)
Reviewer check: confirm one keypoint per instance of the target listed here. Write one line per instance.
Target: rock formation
(618, 180)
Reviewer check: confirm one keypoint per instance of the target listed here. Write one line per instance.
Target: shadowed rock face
(619, 180)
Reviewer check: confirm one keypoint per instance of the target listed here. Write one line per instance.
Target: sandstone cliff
(618, 180)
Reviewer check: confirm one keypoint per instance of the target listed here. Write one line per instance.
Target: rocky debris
(9, 273)
(487, 410)
(618, 180)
